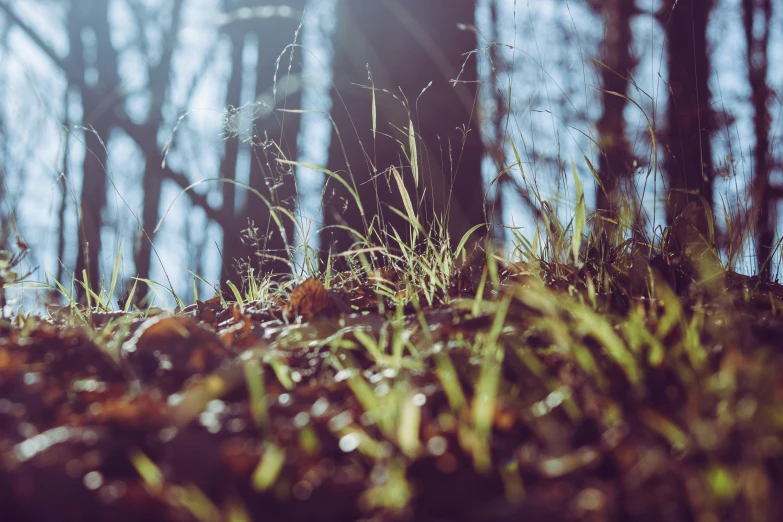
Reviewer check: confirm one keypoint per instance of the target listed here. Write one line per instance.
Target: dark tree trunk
(763, 202)
(152, 187)
(63, 179)
(232, 243)
(615, 167)
(99, 103)
(275, 181)
(500, 107)
(153, 172)
(407, 44)
(690, 119)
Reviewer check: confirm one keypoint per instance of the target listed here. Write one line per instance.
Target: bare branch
(137, 132)
(59, 61)
(146, 140)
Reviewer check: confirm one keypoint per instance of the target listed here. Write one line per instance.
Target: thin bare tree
(615, 161)
(690, 120)
(97, 65)
(758, 13)
(159, 74)
(228, 164)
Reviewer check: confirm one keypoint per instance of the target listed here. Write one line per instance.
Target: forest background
(111, 111)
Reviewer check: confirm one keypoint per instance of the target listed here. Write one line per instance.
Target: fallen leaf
(308, 299)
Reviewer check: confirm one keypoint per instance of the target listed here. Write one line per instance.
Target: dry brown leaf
(308, 299)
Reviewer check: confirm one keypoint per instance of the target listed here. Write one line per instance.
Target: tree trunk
(232, 242)
(763, 202)
(99, 102)
(276, 182)
(153, 173)
(615, 167)
(690, 118)
(63, 179)
(152, 187)
(406, 45)
(500, 125)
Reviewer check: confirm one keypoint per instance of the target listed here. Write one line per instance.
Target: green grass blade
(413, 154)
(115, 273)
(579, 214)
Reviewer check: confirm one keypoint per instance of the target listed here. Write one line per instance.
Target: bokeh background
(120, 118)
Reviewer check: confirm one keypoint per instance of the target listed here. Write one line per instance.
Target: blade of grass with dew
(196, 397)
(268, 469)
(88, 292)
(406, 200)
(492, 269)
(579, 214)
(594, 172)
(131, 294)
(692, 340)
(115, 272)
(368, 446)
(254, 378)
(480, 292)
(666, 428)
(601, 329)
(309, 441)
(394, 495)
(413, 154)
(369, 344)
(536, 243)
(149, 472)
(236, 292)
(672, 310)
(408, 425)
(281, 372)
(485, 400)
(537, 368)
(374, 110)
(328, 271)
(364, 394)
(68, 295)
(197, 503)
(729, 232)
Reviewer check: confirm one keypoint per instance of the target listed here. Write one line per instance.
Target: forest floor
(529, 391)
